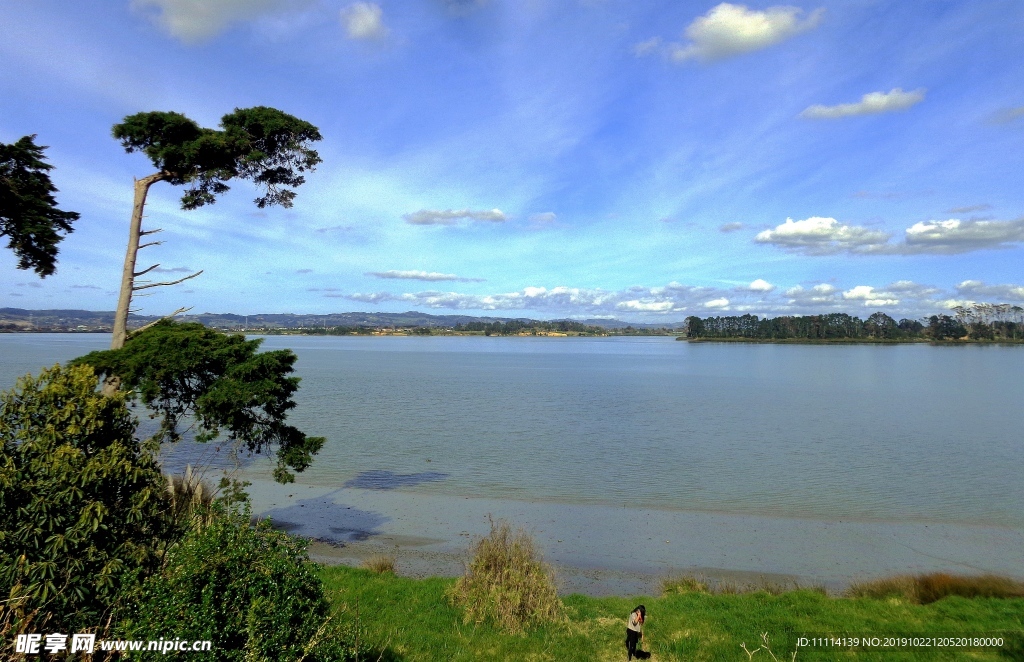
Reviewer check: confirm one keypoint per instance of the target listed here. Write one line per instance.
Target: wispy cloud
(730, 227)
(421, 275)
(969, 209)
(978, 290)
(870, 104)
(173, 270)
(452, 217)
(336, 228)
(543, 218)
(363, 21)
(1007, 115)
(728, 30)
(196, 20)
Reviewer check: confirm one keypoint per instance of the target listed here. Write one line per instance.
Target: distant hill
(19, 319)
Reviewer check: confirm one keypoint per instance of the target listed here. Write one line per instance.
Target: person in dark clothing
(635, 632)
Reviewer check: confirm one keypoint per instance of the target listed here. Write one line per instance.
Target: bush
(507, 583)
(248, 589)
(924, 589)
(80, 501)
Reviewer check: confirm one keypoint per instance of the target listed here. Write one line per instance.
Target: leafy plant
(29, 216)
(185, 371)
(80, 499)
(252, 591)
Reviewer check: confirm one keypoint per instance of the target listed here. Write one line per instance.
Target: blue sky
(545, 158)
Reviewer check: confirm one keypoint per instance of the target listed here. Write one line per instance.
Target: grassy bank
(410, 619)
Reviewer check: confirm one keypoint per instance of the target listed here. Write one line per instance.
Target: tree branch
(151, 243)
(144, 271)
(172, 282)
(165, 317)
(143, 233)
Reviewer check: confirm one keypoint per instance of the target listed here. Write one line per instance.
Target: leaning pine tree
(264, 145)
(222, 383)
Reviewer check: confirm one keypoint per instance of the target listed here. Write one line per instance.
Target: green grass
(411, 619)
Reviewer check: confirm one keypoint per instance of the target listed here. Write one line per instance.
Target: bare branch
(172, 282)
(146, 271)
(143, 233)
(151, 243)
(165, 317)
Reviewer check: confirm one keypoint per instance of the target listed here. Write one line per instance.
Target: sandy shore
(602, 550)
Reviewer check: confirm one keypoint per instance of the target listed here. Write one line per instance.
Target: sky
(640, 160)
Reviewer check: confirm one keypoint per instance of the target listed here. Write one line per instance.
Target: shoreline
(606, 550)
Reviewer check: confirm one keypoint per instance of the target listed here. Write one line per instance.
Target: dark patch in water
(380, 479)
(324, 520)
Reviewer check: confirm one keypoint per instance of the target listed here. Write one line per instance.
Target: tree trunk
(124, 301)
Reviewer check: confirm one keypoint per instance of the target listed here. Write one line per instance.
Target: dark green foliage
(514, 327)
(261, 144)
(221, 381)
(250, 590)
(29, 216)
(79, 499)
(998, 322)
(944, 327)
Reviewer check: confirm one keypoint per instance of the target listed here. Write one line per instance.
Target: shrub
(249, 589)
(80, 500)
(380, 564)
(507, 583)
(924, 589)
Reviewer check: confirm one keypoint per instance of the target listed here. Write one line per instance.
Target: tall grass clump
(507, 583)
(380, 564)
(925, 589)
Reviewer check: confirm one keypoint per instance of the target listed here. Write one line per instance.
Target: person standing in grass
(635, 631)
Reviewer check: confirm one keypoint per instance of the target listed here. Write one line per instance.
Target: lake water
(895, 434)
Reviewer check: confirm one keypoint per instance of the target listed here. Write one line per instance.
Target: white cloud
(363, 20)
(998, 293)
(451, 217)
(543, 217)
(730, 227)
(823, 236)
(728, 30)
(869, 104)
(421, 275)
(674, 301)
(956, 236)
(870, 296)
(195, 20)
(647, 307)
(760, 285)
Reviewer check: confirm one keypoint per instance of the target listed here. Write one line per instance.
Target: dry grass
(189, 497)
(380, 563)
(679, 584)
(924, 589)
(507, 583)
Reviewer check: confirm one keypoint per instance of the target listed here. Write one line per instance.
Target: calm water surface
(895, 433)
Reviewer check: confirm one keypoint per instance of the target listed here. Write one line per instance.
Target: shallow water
(632, 458)
(904, 433)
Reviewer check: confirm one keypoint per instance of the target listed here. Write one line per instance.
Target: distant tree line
(997, 322)
(515, 327)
